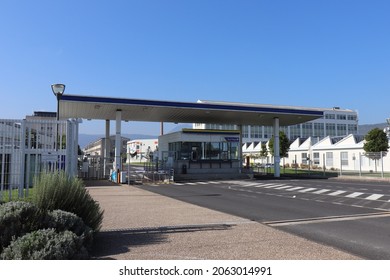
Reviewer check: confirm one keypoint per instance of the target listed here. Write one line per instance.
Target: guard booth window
(212, 150)
(205, 150)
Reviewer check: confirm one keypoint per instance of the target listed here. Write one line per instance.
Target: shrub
(63, 221)
(16, 219)
(46, 244)
(304, 166)
(60, 191)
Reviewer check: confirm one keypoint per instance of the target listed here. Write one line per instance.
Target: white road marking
(321, 191)
(336, 193)
(274, 186)
(355, 194)
(308, 190)
(284, 187)
(374, 196)
(294, 189)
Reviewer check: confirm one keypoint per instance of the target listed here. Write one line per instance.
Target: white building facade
(343, 154)
(34, 145)
(335, 122)
(142, 150)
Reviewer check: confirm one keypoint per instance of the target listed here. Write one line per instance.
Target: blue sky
(303, 52)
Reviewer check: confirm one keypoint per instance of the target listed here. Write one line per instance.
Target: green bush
(63, 221)
(46, 244)
(59, 191)
(16, 219)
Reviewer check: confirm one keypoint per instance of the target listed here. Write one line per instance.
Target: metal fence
(30, 147)
(332, 164)
(367, 165)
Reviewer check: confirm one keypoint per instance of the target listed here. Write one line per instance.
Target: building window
(329, 159)
(341, 129)
(329, 116)
(331, 129)
(316, 158)
(352, 117)
(318, 130)
(245, 131)
(204, 150)
(344, 158)
(352, 129)
(212, 150)
(255, 131)
(295, 131)
(267, 132)
(307, 129)
(228, 127)
(233, 148)
(341, 117)
(305, 159)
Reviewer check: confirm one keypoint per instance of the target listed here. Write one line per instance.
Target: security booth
(202, 154)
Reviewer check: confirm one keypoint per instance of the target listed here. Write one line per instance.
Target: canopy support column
(106, 156)
(118, 146)
(240, 149)
(276, 148)
(161, 128)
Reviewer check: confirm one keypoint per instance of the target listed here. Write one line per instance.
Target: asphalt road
(349, 215)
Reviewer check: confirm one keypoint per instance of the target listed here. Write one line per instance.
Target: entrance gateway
(124, 109)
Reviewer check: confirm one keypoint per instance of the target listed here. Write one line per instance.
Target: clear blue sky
(315, 53)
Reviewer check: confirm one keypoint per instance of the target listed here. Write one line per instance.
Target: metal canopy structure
(126, 109)
(105, 108)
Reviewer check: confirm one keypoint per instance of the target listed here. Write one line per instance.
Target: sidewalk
(142, 225)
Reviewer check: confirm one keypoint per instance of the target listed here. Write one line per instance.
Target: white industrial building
(332, 153)
(33, 145)
(142, 150)
(95, 157)
(335, 122)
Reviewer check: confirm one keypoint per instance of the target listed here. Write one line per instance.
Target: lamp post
(58, 90)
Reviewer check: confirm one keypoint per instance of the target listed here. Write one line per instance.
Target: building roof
(104, 108)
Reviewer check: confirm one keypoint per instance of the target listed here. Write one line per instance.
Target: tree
(263, 151)
(284, 144)
(376, 142)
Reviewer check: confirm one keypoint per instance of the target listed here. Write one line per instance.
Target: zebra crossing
(322, 191)
(285, 187)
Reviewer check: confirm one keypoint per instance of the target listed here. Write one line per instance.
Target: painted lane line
(374, 196)
(328, 219)
(355, 194)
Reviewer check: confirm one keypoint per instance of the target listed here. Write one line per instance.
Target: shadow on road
(113, 242)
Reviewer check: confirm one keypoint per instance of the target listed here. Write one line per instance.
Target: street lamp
(58, 90)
